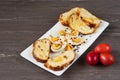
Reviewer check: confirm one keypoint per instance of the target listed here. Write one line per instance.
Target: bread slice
(87, 21)
(41, 50)
(89, 18)
(76, 23)
(64, 17)
(61, 61)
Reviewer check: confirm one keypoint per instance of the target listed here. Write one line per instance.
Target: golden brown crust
(58, 68)
(62, 21)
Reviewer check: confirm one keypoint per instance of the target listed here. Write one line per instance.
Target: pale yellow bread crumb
(76, 23)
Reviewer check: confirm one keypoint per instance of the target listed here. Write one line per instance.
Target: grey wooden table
(22, 22)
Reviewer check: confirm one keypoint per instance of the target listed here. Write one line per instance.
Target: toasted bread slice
(76, 23)
(61, 61)
(89, 18)
(64, 17)
(41, 50)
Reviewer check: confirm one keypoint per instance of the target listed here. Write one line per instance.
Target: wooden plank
(22, 22)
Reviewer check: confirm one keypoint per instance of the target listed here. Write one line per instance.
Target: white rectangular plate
(27, 53)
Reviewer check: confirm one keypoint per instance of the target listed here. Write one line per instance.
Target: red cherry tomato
(102, 48)
(106, 59)
(92, 58)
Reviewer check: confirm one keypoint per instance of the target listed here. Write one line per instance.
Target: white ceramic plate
(27, 53)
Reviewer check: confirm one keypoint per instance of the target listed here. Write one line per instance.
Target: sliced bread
(41, 50)
(61, 61)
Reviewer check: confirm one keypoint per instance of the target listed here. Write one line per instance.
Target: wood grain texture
(22, 22)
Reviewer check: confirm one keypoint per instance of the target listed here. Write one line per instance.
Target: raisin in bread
(41, 50)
